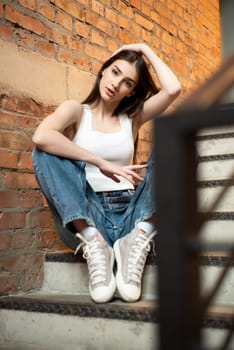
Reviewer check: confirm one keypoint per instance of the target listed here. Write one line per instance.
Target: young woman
(83, 163)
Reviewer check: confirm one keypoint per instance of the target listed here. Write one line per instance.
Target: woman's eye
(114, 71)
(128, 84)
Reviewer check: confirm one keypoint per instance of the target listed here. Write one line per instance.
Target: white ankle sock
(88, 232)
(146, 227)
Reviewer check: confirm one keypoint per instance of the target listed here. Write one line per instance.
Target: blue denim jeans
(70, 197)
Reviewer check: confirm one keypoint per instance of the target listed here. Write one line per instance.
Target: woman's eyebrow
(119, 70)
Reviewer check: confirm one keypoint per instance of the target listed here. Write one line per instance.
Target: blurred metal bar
(178, 220)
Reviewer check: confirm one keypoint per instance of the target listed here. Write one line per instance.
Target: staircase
(62, 315)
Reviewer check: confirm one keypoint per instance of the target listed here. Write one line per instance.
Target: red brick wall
(82, 33)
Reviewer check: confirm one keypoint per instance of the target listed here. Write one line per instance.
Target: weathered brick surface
(81, 34)
(26, 227)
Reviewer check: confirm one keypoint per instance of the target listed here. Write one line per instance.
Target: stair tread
(211, 258)
(217, 316)
(81, 305)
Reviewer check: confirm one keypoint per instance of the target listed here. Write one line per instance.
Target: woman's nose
(116, 84)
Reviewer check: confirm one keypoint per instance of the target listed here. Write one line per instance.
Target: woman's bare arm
(50, 138)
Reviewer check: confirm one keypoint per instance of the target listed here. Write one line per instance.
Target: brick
(58, 36)
(97, 38)
(24, 39)
(26, 123)
(24, 21)
(73, 43)
(47, 11)
(144, 22)
(8, 284)
(5, 241)
(6, 32)
(64, 21)
(111, 16)
(96, 52)
(124, 9)
(23, 105)
(136, 4)
(22, 239)
(8, 159)
(8, 121)
(46, 239)
(112, 45)
(20, 180)
(22, 263)
(124, 22)
(65, 56)
(46, 48)
(29, 4)
(146, 35)
(40, 218)
(82, 62)
(97, 7)
(12, 220)
(146, 9)
(30, 199)
(98, 22)
(74, 9)
(137, 30)
(15, 141)
(9, 199)
(25, 161)
(123, 36)
(49, 239)
(1, 10)
(82, 29)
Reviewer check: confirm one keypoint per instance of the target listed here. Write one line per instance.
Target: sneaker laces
(94, 253)
(137, 256)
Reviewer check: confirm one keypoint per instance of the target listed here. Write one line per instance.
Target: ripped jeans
(70, 197)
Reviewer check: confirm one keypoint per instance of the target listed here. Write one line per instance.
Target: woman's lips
(110, 92)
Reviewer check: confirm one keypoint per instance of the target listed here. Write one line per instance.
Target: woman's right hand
(129, 172)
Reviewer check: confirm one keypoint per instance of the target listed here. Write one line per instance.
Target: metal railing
(181, 306)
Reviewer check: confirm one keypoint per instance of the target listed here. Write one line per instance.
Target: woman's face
(118, 81)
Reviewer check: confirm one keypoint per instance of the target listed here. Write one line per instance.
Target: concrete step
(211, 267)
(219, 230)
(207, 196)
(215, 148)
(211, 146)
(219, 132)
(80, 324)
(217, 169)
(65, 273)
(49, 322)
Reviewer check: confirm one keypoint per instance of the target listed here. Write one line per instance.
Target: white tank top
(116, 147)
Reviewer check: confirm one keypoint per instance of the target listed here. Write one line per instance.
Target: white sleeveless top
(116, 147)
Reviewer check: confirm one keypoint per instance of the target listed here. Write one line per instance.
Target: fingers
(128, 172)
(136, 166)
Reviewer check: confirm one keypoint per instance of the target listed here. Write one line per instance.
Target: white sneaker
(100, 260)
(131, 252)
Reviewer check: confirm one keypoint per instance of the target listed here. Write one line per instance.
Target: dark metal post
(180, 306)
(176, 207)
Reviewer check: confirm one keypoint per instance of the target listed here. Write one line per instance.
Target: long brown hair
(145, 87)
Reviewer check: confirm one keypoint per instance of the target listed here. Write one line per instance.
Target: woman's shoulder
(70, 109)
(71, 104)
